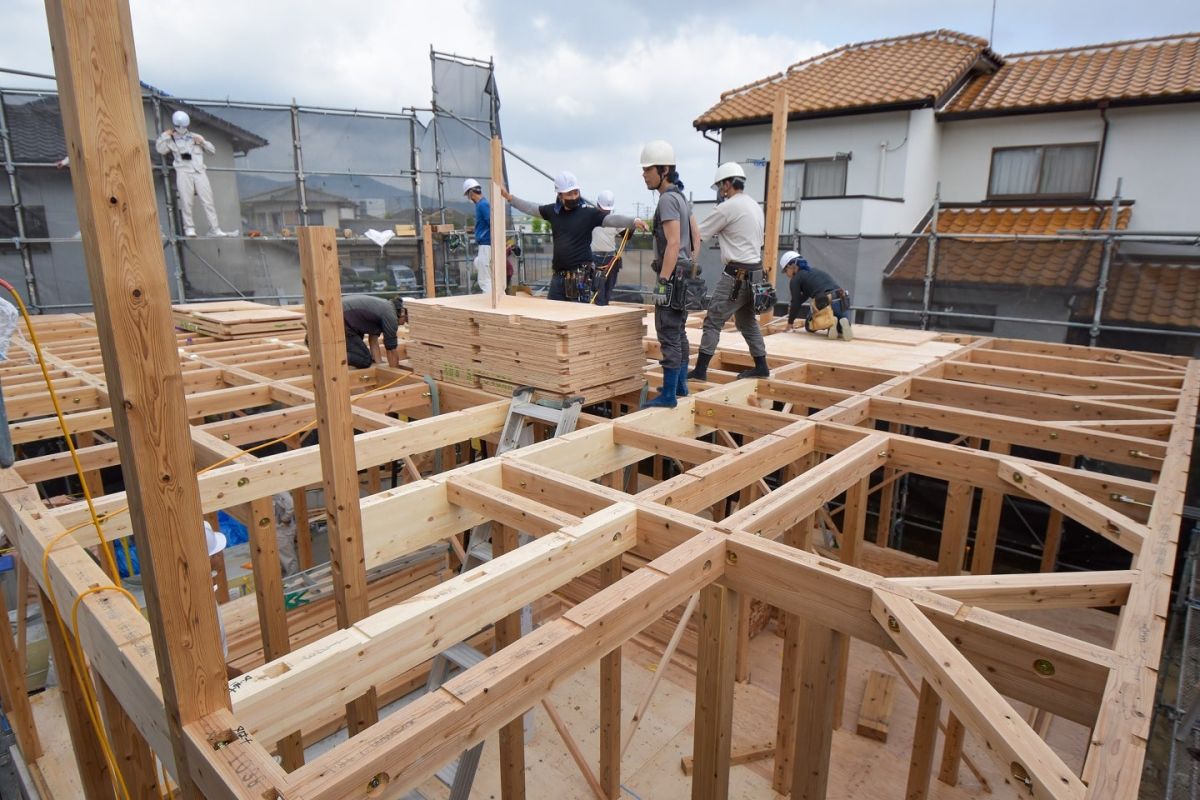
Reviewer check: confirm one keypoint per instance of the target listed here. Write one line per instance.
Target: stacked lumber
(236, 319)
(559, 348)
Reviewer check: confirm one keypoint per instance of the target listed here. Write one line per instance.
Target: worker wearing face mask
(572, 220)
(187, 149)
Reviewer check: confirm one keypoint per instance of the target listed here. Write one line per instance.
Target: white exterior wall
(1155, 150)
(966, 153)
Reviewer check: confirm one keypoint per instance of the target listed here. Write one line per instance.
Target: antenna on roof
(992, 30)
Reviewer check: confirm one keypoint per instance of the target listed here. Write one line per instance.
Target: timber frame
(786, 447)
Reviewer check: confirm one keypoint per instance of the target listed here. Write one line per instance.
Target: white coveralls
(191, 177)
(483, 268)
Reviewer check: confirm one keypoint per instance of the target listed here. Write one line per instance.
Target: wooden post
(94, 60)
(304, 552)
(134, 758)
(920, 763)
(714, 692)
(1054, 529)
(887, 494)
(779, 121)
(427, 259)
(512, 735)
(789, 678)
(499, 277)
(956, 521)
(610, 702)
(987, 527)
(16, 693)
(819, 670)
(94, 772)
(854, 527)
(327, 350)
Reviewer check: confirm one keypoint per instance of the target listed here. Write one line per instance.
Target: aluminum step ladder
(517, 432)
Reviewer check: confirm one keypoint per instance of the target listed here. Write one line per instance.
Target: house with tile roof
(1030, 143)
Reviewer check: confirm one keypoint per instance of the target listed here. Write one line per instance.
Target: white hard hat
(728, 170)
(606, 200)
(469, 184)
(787, 258)
(180, 119)
(658, 154)
(214, 539)
(566, 182)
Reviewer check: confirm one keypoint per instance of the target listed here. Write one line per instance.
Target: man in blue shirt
(483, 233)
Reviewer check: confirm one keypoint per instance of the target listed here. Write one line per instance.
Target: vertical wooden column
(100, 100)
(779, 122)
(956, 522)
(1054, 528)
(331, 389)
(820, 667)
(427, 260)
(714, 692)
(854, 527)
(94, 773)
(887, 494)
(133, 755)
(610, 702)
(987, 527)
(15, 692)
(920, 763)
(512, 735)
(304, 552)
(497, 223)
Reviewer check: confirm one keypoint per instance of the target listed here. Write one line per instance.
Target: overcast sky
(582, 85)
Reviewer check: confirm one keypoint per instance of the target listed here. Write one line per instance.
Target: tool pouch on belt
(671, 292)
(764, 297)
(822, 316)
(570, 279)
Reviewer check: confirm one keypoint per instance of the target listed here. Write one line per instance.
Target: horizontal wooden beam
(1019, 592)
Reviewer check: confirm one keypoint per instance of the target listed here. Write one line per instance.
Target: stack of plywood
(559, 348)
(236, 319)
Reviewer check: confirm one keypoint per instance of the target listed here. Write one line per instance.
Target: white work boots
(844, 329)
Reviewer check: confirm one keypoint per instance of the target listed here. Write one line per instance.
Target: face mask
(569, 205)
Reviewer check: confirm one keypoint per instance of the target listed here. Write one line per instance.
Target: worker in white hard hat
(604, 250)
(737, 222)
(676, 239)
(572, 220)
(483, 234)
(215, 541)
(187, 149)
(828, 303)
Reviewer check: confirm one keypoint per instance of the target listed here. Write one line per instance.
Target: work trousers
(669, 325)
(605, 288)
(742, 310)
(483, 268)
(358, 355)
(190, 185)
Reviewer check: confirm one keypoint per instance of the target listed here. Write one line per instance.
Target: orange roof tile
(1016, 263)
(1153, 294)
(915, 69)
(1144, 69)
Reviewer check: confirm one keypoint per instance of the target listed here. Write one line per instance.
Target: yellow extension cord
(74, 649)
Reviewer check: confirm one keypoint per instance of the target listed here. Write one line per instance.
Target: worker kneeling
(829, 304)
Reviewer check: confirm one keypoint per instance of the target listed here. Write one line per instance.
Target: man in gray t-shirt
(373, 317)
(675, 239)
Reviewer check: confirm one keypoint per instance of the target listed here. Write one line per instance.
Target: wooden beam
(327, 346)
(920, 762)
(132, 753)
(1011, 743)
(15, 690)
(716, 663)
(94, 60)
(498, 265)
(1112, 525)
(512, 734)
(875, 712)
(1014, 592)
(779, 123)
(427, 260)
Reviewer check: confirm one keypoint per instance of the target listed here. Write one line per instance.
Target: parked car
(403, 277)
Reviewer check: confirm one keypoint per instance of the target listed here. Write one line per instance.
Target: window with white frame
(1050, 171)
(814, 177)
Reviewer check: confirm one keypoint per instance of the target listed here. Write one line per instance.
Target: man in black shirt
(572, 220)
(821, 290)
(373, 317)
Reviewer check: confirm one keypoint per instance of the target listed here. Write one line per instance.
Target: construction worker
(676, 238)
(187, 151)
(822, 292)
(737, 222)
(604, 251)
(373, 317)
(572, 221)
(483, 234)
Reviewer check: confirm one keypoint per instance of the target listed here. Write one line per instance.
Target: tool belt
(822, 317)
(579, 283)
(741, 271)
